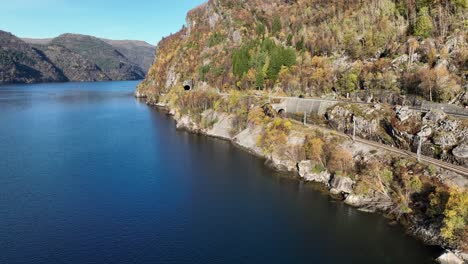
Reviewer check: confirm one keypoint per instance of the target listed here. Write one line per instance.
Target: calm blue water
(90, 175)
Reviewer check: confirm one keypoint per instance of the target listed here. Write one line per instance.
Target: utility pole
(419, 148)
(354, 129)
(305, 118)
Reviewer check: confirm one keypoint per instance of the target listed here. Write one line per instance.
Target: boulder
(449, 125)
(369, 203)
(403, 113)
(139, 94)
(366, 128)
(185, 122)
(461, 151)
(338, 117)
(449, 258)
(306, 172)
(445, 140)
(435, 116)
(341, 184)
(281, 163)
(425, 132)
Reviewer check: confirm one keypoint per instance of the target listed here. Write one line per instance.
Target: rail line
(442, 164)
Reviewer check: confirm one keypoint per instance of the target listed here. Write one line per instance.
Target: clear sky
(147, 20)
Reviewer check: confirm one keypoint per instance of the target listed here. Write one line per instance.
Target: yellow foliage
(314, 149)
(257, 116)
(456, 214)
(274, 135)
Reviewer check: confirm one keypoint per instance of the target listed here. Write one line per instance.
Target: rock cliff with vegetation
(235, 54)
(407, 49)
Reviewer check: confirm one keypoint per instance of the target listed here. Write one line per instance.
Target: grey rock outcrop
(403, 113)
(341, 184)
(306, 172)
(449, 258)
(461, 151)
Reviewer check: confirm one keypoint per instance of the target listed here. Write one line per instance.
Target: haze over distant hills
(72, 57)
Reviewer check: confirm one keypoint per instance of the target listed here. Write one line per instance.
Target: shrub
(274, 135)
(456, 214)
(340, 160)
(202, 71)
(256, 116)
(215, 39)
(314, 149)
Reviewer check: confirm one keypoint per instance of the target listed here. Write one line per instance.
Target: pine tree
(276, 26)
(423, 27)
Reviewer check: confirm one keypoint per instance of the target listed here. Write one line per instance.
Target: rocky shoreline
(338, 187)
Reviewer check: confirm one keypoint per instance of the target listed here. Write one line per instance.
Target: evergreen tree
(423, 27)
(240, 61)
(276, 26)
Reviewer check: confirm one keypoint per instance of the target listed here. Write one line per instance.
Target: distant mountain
(138, 52)
(22, 63)
(111, 61)
(74, 66)
(43, 41)
(72, 57)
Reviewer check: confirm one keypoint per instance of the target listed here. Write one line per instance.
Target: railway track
(424, 159)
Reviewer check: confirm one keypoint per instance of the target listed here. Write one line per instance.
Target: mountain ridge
(70, 57)
(138, 52)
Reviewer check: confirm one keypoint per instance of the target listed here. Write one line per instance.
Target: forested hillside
(21, 63)
(71, 57)
(321, 48)
(113, 63)
(389, 52)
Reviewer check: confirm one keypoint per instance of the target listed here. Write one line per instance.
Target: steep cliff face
(319, 48)
(20, 63)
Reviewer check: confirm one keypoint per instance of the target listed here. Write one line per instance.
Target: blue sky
(147, 20)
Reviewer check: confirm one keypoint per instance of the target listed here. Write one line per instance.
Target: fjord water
(88, 174)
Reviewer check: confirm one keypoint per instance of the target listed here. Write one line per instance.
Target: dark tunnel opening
(282, 113)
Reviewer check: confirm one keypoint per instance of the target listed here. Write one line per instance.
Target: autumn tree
(340, 160)
(314, 149)
(456, 215)
(438, 84)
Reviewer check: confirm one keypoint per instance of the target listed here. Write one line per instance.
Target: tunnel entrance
(282, 112)
(188, 85)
